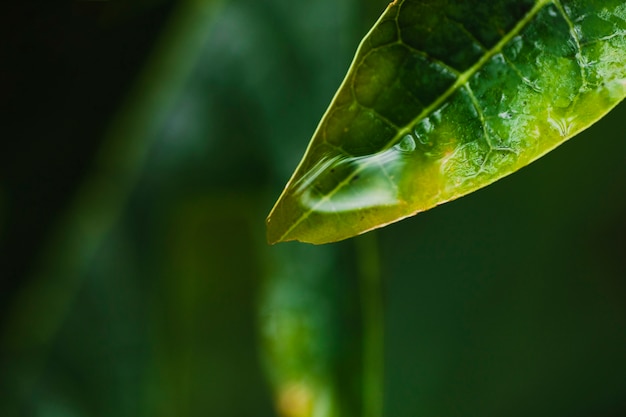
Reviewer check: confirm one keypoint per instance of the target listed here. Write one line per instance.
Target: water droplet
(427, 125)
(533, 84)
(422, 133)
(514, 47)
(340, 183)
(505, 115)
(438, 115)
(498, 59)
(407, 144)
(563, 125)
(570, 46)
(424, 140)
(326, 164)
(578, 32)
(553, 12)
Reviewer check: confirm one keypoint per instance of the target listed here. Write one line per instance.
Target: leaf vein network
(464, 77)
(576, 39)
(444, 67)
(467, 32)
(460, 82)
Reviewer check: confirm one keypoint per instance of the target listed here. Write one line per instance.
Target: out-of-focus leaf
(446, 97)
(312, 335)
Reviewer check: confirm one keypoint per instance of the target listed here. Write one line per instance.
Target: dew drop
(533, 84)
(407, 144)
(423, 139)
(339, 183)
(553, 12)
(498, 59)
(438, 115)
(515, 46)
(563, 125)
(422, 131)
(428, 126)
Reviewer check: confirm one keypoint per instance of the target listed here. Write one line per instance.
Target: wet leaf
(446, 97)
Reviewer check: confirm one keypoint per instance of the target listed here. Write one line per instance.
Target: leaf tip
(274, 228)
(270, 231)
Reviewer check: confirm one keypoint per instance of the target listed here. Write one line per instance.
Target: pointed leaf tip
(444, 98)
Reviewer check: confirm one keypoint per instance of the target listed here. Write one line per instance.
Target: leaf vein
(460, 82)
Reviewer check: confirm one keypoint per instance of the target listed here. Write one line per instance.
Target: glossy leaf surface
(446, 97)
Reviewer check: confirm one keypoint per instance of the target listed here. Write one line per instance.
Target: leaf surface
(446, 97)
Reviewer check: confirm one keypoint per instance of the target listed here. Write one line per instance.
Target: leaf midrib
(462, 79)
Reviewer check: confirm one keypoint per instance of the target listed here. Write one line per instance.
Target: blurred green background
(143, 145)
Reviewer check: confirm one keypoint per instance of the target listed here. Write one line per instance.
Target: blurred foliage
(137, 281)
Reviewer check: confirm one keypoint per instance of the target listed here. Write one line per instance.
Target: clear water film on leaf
(446, 97)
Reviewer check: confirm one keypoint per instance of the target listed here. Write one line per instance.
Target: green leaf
(446, 97)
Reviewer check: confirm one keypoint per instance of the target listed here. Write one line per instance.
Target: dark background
(143, 144)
